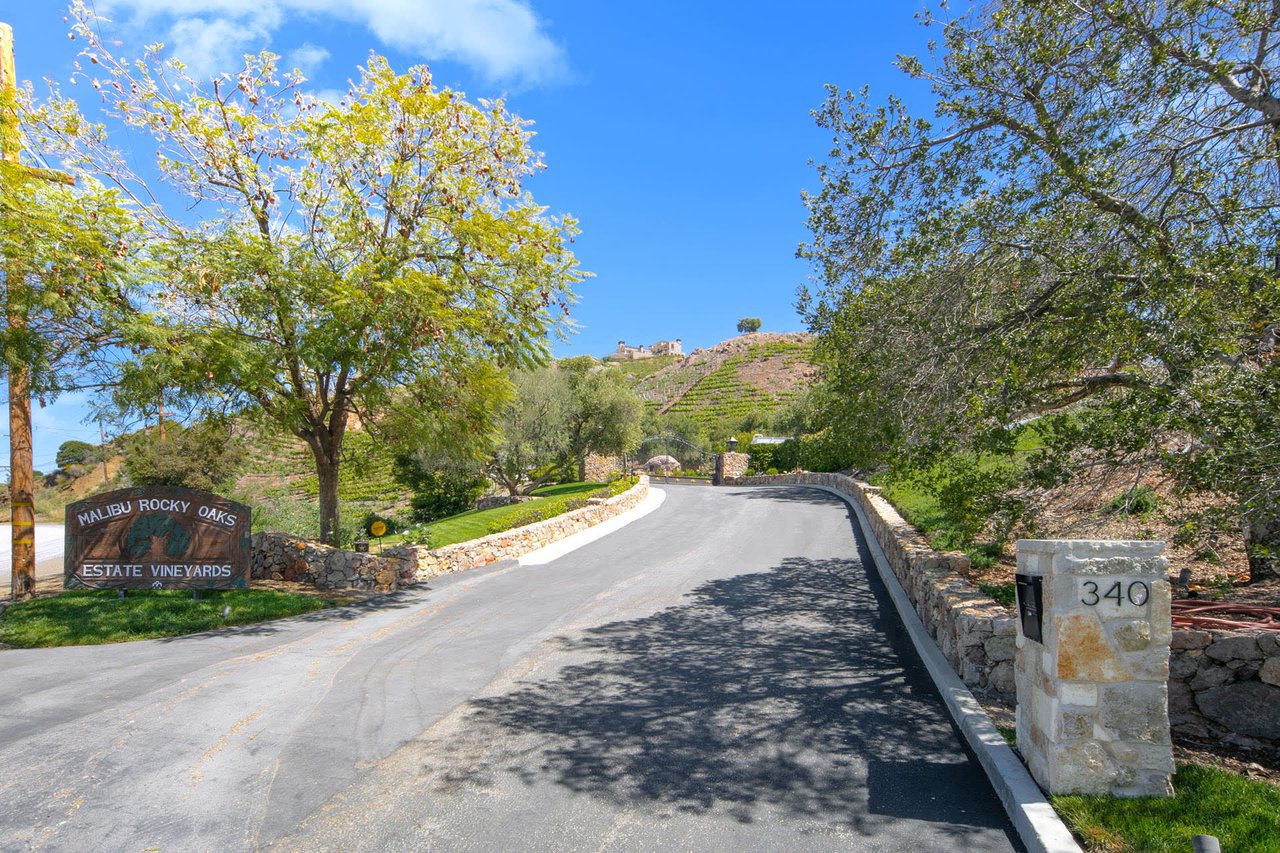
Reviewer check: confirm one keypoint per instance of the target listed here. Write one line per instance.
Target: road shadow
(792, 691)
(790, 494)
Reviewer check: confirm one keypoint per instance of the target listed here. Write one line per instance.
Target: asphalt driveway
(724, 673)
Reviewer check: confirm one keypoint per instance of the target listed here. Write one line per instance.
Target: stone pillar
(1093, 713)
(730, 466)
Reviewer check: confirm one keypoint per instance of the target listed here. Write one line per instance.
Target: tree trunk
(1262, 542)
(327, 472)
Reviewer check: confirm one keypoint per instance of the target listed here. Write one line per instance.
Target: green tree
(1088, 225)
(604, 415)
(365, 258)
(204, 456)
(747, 325)
(444, 484)
(77, 453)
(532, 445)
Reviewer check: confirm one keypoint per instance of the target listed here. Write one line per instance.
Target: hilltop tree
(365, 258)
(1089, 225)
(748, 325)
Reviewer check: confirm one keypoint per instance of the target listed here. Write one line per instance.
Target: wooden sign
(157, 538)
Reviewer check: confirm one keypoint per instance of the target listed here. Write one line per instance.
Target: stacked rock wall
(1225, 685)
(596, 468)
(278, 556)
(975, 633)
(423, 562)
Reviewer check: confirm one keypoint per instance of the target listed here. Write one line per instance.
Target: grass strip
(90, 617)
(473, 524)
(1244, 814)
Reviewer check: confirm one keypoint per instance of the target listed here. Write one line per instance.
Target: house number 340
(1136, 593)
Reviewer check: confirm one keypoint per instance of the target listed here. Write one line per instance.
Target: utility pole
(102, 451)
(21, 473)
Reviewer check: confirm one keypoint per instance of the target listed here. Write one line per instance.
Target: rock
(1209, 677)
(1269, 673)
(1238, 647)
(1183, 639)
(1245, 707)
(1181, 667)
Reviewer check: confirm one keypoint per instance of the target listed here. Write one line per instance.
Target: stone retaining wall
(1225, 685)
(279, 556)
(975, 633)
(422, 562)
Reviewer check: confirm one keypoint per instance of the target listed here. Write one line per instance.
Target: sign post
(157, 538)
(1092, 666)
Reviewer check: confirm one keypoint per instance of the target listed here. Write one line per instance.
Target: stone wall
(278, 556)
(423, 562)
(1225, 685)
(731, 467)
(975, 633)
(596, 468)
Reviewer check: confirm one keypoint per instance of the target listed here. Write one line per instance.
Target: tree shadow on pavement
(788, 692)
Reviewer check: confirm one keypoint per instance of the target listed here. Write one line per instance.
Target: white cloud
(306, 59)
(503, 39)
(211, 46)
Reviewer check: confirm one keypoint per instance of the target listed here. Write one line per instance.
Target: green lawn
(1244, 815)
(473, 524)
(89, 617)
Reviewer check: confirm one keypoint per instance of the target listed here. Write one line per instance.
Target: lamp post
(732, 443)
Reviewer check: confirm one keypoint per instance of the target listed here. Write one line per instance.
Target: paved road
(49, 548)
(720, 674)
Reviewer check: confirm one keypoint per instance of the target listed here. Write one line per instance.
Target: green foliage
(88, 617)
(1033, 249)
(1240, 812)
(393, 525)
(747, 325)
(204, 456)
(442, 487)
(77, 453)
(1003, 593)
(532, 442)
(380, 256)
(604, 415)
(1138, 500)
(474, 524)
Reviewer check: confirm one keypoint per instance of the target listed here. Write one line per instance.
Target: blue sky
(678, 134)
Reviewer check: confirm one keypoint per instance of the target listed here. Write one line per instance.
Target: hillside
(751, 373)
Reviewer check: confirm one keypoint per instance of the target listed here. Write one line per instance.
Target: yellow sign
(378, 528)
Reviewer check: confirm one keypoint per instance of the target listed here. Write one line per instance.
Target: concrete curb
(1037, 824)
(573, 542)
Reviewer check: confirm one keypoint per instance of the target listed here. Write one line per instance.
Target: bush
(77, 453)
(205, 456)
(366, 524)
(440, 490)
(1139, 500)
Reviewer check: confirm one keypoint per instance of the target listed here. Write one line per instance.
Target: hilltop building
(625, 352)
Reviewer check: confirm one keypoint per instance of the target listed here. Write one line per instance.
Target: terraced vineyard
(752, 373)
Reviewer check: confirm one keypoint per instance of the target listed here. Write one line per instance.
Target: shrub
(204, 456)
(77, 453)
(1139, 500)
(439, 490)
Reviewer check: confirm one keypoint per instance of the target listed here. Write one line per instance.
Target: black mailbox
(1030, 605)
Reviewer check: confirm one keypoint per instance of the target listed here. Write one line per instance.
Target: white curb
(559, 548)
